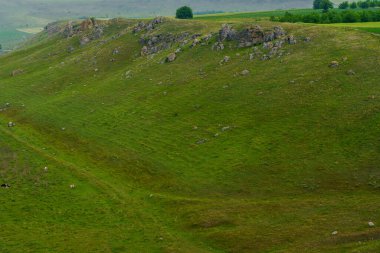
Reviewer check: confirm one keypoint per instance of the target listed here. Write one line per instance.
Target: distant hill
(22, 12)
(37, 13)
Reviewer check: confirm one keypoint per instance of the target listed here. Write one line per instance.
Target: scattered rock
(144, 51)
(307, 39)
(142, 26)
(351, 72)
(46, 169)
(278, 32)
(17, 72)
(251, 56)
(11, 124)
(278, 43)
(87, 24)
(269, 36)
(68, 31)
(334, 64)
(84, 41)
(128, 74)
(53, 28)
(256, 35)
(201, 141)
(371, 224)
(245, 72)
(194, 36)
(195, 42)
(334, 233)
(226, 33)
(98, 33)
(274, 51)
(226, 128)
(265, 57)
(268, 45)
(225, 59)
(70, 49)
(250, 36)
(291, 40)
(218, 46)
(171, 57)
(155, 43)
(206, 38)
(116, 51)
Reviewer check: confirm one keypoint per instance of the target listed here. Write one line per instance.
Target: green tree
(184, 12)
(363, 5)
(353, 5)
(344, 5)
(317, 4)
(350, 17)
(326, 5)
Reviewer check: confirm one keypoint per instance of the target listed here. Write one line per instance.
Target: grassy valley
(117, 151)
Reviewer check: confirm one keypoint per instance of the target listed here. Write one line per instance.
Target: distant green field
(245, 15)
(373, 27)
(9, 38)
(259, 15)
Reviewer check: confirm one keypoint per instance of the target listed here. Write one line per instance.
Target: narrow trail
(121, 193)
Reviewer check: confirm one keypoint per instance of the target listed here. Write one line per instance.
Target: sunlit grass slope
(191, 156)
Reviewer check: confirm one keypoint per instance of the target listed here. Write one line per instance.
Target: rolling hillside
(113, 147)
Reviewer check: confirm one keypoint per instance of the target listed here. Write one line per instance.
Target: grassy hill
(191, 156)
(18, 14)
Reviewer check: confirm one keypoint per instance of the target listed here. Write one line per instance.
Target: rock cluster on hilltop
(90, 29)
(226, 33)
(155, 43)
(253, 35)
(142, 26)
(53, 28)
(271, 40)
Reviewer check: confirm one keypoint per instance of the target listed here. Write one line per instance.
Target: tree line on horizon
(347, 13)
(360, 4)
(330, 17)
(327, 4)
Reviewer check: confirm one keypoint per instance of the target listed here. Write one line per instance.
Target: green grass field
(264, 15)
(290, 152)
(373, 27)
(252, 15)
